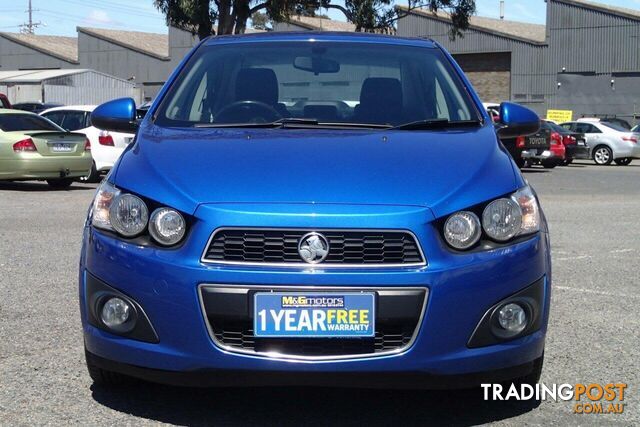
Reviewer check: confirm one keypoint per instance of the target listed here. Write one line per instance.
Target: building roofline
(613, 10)
(431, 15)
(27, 76)
(297, 21)
(13, 37)
(91, 32)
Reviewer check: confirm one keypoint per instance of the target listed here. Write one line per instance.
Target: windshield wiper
(280, 123)
(435, 124)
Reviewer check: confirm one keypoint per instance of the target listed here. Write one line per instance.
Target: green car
(34, 148)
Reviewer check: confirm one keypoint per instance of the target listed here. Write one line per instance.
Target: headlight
(530, 210)
(462, 229)
(505, 218)
(501, 219)
(167, 226)
(101, 205)
(128, 215)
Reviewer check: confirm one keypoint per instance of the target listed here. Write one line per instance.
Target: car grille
(228, 311)
(346, 247)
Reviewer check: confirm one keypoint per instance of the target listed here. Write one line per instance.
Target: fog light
(513, 318)
(115, 312)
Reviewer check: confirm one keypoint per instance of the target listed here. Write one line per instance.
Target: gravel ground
(594, 333)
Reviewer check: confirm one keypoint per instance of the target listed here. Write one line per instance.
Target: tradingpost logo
(591, 398)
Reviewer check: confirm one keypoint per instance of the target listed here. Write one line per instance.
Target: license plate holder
(61, 147)
(314, 314)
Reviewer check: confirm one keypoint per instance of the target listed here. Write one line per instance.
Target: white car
(607, 141)
(106, 147)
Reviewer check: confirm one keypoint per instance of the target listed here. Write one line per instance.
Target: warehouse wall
(528, 84)
(180, 43)
(14, 56)
(593, 46)
(110, 58)
(490, 74)
(86, 88)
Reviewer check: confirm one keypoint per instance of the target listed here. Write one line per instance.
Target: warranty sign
(314, 315)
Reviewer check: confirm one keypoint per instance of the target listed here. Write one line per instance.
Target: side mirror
(516, 120)
(118, 115)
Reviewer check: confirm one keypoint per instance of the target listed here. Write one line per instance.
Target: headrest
(257, 84)
(382, 92)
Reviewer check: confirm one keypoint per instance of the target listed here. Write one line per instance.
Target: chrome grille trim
(319, 266)
(313, 359)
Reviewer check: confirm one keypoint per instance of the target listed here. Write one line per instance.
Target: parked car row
(607, 141)
(33, 147)
(602, 140)
(106, 146)
(58, 146)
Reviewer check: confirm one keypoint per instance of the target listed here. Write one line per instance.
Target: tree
(201, 17)
(260, 21)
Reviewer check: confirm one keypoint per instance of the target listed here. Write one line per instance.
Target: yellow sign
(560, 116)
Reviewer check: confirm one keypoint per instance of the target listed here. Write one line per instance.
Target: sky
(61, 17)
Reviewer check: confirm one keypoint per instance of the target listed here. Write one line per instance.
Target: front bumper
(462, 287)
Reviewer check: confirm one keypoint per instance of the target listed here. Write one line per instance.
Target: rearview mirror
(118, 115)
(316, 64)
(517, 120)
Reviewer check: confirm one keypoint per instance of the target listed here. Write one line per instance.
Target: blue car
(315, 209)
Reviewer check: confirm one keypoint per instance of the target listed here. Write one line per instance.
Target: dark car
(4, 101)
(534, 148)
(574, 142)
(35, 107)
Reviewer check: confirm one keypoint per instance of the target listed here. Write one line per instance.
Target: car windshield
(19, 122)
(310, 84)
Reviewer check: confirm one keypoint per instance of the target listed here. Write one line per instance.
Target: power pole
(30, 27)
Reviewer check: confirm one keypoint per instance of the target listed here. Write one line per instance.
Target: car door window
(74, 120)
(586, 128)
(55, 116)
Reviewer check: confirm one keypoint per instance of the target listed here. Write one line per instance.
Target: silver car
(608, 141)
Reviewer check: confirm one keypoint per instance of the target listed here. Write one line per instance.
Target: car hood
(443, 170)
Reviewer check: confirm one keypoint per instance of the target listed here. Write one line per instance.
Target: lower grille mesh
(387, 338)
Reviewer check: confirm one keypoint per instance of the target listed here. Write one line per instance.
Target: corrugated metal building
(585, 59)
(28, 52)
(142, 58)
(63, 86)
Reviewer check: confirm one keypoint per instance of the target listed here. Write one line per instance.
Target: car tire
(549, 164)
(624, 161)
(602, 155)
(93, 177)
(60, 183)
(103, 377)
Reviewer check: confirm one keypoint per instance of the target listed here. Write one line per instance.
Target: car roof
(312, 36)
(15, 111)
(71, 107)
